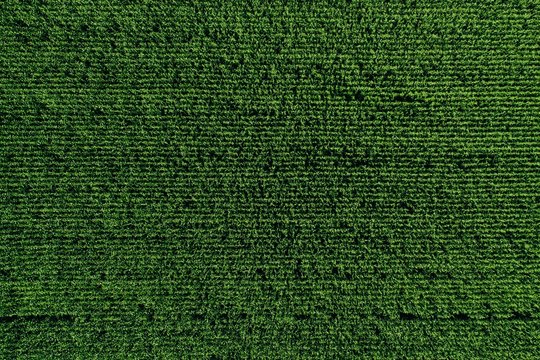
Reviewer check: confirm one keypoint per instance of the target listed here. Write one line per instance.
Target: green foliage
(269, 180)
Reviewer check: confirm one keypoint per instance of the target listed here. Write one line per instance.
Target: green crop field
(248, 179)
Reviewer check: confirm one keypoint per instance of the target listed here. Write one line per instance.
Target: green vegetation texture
(269, 179)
